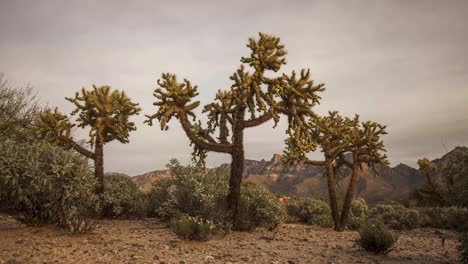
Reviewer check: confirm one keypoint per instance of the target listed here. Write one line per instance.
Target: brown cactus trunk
(332, 193)
(99, 167)
(237, 169)
(349, 196)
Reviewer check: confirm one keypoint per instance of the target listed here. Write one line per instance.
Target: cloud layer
(401, 63)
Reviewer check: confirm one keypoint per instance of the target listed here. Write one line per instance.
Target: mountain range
(392, 183)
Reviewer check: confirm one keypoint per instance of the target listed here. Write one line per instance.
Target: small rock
(291, 261)
(209, 257)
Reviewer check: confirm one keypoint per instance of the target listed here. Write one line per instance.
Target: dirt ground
(148, 241)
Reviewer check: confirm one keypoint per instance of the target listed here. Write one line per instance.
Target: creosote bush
(444, 217)
(358, 213)
(396, 216)
(374, 236)
(259, 207)
(317, 212)
(310, 211)
(41, 184)
(193, 228)
(202, 194)
(192, 190)
(122, 198)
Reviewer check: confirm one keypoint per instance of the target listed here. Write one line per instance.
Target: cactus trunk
(237, 169)
(99, 167)
(332, 193)
(349, 197)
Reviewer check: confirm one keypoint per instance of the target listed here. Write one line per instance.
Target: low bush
(41, 183)
(374, 236)
(358, 213)
(193, 191)
(310, 211)
(259, 207)
(396, 216)
(193, 228)
(122, 198)
(444, 217)
(202, 194)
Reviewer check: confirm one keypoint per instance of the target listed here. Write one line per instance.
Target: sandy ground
(148, 241)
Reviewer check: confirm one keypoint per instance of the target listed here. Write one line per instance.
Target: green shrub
(444, 217)
(193, 191)
(374, 236)
(310, 211)
(193, 228)
(396, 216)
(357, 214)
(122, 198)
(464, 248)
(259, 207)
(202, 194)
(161, 200)
(41, 183)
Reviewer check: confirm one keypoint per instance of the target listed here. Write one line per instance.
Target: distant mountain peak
(276, 158)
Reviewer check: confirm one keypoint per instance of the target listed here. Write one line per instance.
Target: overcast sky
(401, 63)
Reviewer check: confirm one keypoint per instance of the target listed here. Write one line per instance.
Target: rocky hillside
(392, 183)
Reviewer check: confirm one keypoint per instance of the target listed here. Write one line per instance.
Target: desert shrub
(122, 198)
(193, 228)
(464, 247)
(41, 183)
(259, 207)
(310, 211)
(396, 216)
(161, 200)
(192, 190)
(444, 217)
(358, 213)
(374, 236)
(202, 194)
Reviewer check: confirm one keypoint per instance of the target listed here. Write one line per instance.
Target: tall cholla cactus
(104, 111)
(253, 99)
(338, 137)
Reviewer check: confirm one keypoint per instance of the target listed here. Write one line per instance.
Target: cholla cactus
(253, 99)
(338, 136)
(105, 112)
(426, 167)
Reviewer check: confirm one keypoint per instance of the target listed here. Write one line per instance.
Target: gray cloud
(402, 63)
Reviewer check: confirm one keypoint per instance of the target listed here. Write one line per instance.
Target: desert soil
(149, 241)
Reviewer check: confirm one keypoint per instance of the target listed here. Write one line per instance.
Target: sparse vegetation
(374, 236)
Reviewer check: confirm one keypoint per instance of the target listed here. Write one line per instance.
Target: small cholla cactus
(106, 112)
(338, 136)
